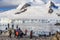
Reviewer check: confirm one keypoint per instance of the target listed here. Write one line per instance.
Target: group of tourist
(18, 33)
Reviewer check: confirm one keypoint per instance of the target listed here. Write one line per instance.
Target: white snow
(33, 12)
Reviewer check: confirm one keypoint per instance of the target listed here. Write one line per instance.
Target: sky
(11, 4)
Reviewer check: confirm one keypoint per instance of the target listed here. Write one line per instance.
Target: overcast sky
(16, 2)
(11, 3)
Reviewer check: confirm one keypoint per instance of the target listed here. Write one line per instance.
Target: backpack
(17, 33)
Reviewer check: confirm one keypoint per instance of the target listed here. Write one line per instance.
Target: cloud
(17, 2)
(6, 2)
(56, 1)
(10, 2)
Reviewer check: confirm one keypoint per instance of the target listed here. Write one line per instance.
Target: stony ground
(40, 38)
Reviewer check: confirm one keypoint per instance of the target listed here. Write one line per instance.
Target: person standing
(31, 34)
(10, 33)
(17, 33)
(20, 33)
(14, 32)
(26, 32)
